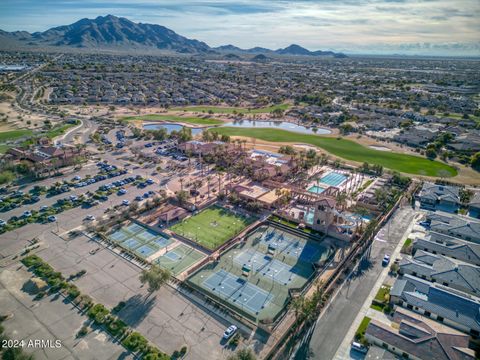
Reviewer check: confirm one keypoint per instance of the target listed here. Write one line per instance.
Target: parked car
(90, 218)
(121, 192)
(73, 197)
(138, 198)
(43, 208)
(359, 347)
(150, 181)
(27, 213)
(2, 222)
(229, 332)
(386, 260)
(125, 202)
(52, 218)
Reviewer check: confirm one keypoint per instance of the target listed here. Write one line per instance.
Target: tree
(243, 354)
(475, 161)
(182, 197)
(155, 277)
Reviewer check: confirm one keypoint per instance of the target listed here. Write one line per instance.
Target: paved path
(337, 318)
(344, 349)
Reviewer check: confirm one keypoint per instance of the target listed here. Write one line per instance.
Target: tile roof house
(457, 226)
(413, 336)
(449, 246)
(474, 206)
(446, 305)
(440, 269)
(439, 197)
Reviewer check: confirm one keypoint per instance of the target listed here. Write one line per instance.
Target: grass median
(349, 150)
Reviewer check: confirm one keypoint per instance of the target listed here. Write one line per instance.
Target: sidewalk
(344, 349)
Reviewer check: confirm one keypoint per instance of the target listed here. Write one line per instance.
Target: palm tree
(155, 277)
(342, 200)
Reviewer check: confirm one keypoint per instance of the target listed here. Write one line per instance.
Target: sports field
(254, 277)
(174, 118)
(179, 259)
(231, 110)
(212, 227)
(349, 150)
(142, 241)
(14, 134)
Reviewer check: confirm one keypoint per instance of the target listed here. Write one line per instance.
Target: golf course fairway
(349, 150)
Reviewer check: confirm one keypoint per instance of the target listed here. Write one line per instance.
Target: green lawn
(360, 333)
(14, 134)
(4, 148)
(211, 227)
(382, 292)
(173, 118)
(350, 150)
(231, 110)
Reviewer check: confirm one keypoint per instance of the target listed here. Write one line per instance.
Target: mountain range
(118, 33)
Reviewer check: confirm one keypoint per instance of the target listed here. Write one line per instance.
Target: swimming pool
(333, 179)
(316, 189)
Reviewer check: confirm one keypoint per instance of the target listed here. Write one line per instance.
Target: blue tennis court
(131, 244)
(333, 179)
(272, 268)
(145, 250)
(238, 291)
(146, 235)
(162, 242)
(172, 255)
(134, 228)
(118, 236)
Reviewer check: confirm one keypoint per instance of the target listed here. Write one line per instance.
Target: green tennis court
(179, 259)
(212, 227)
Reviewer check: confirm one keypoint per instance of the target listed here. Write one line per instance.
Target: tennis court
(212, 227)
(238, 290)
(139, 239)
(179, 259)
(267, 266)
(261, 270)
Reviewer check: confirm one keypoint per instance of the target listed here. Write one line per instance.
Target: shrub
(116, 327)
(83, 331)
(31, 260)
(135, 342)
(119, 307)
(183, 350)
(97, 309)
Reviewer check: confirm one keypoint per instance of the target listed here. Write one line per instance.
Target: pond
(284, 125)
(170, 127)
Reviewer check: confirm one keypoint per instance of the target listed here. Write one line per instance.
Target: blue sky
(424, 27)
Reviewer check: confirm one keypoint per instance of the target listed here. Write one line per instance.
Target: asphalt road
(335, 322)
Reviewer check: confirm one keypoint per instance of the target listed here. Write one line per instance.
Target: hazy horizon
(376, 27)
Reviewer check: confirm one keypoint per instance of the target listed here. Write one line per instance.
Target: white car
(229, 332)
(386, 260)
(2, 222)
(90, 218)
(359, 347)
(125, 202)
(27, 214)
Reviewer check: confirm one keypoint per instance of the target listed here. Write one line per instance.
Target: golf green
(350, 150)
